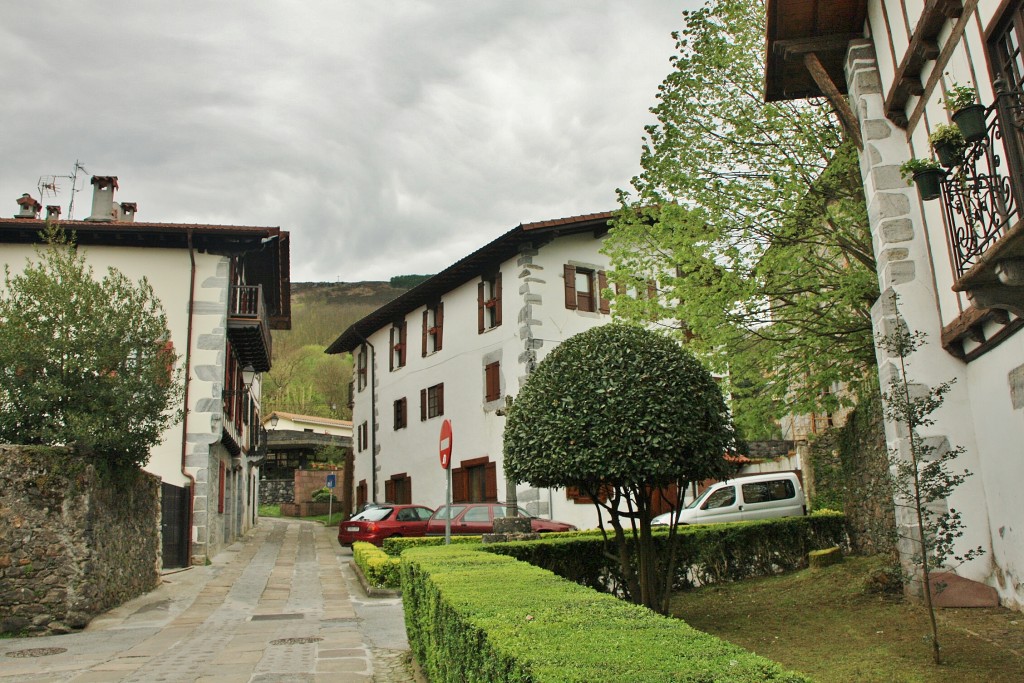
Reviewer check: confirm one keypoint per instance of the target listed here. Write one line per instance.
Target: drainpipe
(373, 414)
(188, 373)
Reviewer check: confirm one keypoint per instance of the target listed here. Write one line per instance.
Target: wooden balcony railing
(249, 326)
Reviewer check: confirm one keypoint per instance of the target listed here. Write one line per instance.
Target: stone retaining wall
(73, 544)
(277, 491)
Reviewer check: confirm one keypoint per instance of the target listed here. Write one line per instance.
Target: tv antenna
(51, 186)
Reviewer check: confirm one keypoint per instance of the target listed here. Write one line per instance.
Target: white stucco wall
(534, 318)
(914, 262)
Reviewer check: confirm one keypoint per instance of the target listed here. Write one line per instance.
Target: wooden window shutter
(401, 342)
(440, 399)
(408, 491)
(602, 284)
(439, 324)
(492, 381)
(389, 491)
(491, 482)
(497, 299)
(570, 286)
(480, 308)
(426, 323)
(391, 356)
(423, 404)
(652, 289)
(460, 487)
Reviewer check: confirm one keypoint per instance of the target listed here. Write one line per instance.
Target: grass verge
(827, 624)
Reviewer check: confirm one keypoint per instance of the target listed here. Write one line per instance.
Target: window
(433, 324)
(488, 303)
(432, 402)
(583, 288)
(1007, 63)
(361, 368)
(401, 413)
(361, 493)
(363, 439)
(398, 489)
(492, 381)
(765, 491)
(398, 345)
(721, 498)
(475, 481)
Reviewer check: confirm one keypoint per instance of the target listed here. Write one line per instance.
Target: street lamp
(248, 375)
(274, 419)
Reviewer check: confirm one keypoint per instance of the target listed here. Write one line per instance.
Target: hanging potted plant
(927, 174)
(967, 113)
(949, 144)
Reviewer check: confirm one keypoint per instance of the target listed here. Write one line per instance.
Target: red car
(478, 518)
(376, 523)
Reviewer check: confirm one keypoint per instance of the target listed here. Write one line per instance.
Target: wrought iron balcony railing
(981, 196)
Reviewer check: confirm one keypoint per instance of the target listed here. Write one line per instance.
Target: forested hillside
(304, 379)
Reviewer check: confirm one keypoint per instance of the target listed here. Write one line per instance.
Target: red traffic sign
(446, 444)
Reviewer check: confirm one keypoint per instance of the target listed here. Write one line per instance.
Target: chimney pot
(128, 210)
(29, 207)
(52, 212)
(103, 208)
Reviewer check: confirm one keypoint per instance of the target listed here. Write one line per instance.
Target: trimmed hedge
(379, 568)
(475, 616)
(707, 554)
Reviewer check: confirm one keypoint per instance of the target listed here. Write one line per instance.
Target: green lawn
(826, 624)
(275, 511)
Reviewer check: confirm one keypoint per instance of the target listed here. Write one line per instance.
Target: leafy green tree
(626, 415)
(84, 362)
(749, 220)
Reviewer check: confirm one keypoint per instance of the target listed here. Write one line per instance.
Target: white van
(760, 496)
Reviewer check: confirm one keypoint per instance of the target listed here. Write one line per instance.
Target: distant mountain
(304, 379)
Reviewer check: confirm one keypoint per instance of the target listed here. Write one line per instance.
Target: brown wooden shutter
(492, 383)
(497, 299)
(570, 286)
(439, 324)
(491, 482)
(389, 491)
(408, 491)
(440, 399)
(401, 340)
(423, 404)
(652, 289)
(426, 322)
(460, 488)
(481, 309)
(404, 409)
(391, 356)
(602, 284)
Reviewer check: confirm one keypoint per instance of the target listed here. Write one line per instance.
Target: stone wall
(73, 543)
(277, 491)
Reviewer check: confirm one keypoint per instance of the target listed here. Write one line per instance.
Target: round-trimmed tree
(84, 362)
(624, 414)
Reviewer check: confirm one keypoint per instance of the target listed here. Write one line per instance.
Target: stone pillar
(898, 226)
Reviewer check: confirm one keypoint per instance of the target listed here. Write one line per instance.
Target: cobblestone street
(280, 605)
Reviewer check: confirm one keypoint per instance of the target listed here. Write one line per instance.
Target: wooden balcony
(249, 327)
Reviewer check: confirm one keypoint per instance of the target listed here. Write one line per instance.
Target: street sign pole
(446, 463)
(332, 480)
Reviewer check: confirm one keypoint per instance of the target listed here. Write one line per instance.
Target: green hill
(304, 379)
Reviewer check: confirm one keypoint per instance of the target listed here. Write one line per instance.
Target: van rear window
(765, 491)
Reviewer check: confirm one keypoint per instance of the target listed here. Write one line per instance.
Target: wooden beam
(835, 98)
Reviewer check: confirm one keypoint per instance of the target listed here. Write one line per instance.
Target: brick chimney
(29, 207)
(52, 212)
(128, 210)
(103, 199)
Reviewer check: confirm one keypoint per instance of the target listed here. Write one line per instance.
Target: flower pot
(971, 122)
(950, 153)
(929, 183)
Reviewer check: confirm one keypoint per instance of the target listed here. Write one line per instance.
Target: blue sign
(332, 479)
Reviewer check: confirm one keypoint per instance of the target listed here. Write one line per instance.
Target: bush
(323, 495)
(380, 570)
(541, 628)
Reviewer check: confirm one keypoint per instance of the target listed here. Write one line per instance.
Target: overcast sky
(389, 137)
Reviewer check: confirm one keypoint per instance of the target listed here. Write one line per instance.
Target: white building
(223, 288)
(957, 262)
(456, 347)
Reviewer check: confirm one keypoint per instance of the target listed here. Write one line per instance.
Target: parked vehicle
(382, 521)
(759, 496)
(478, 518)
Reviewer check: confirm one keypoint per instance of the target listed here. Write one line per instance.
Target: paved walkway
(280, 605)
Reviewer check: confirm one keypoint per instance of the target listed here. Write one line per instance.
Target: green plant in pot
(927, 174)
(948, 143)
(967, 113)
